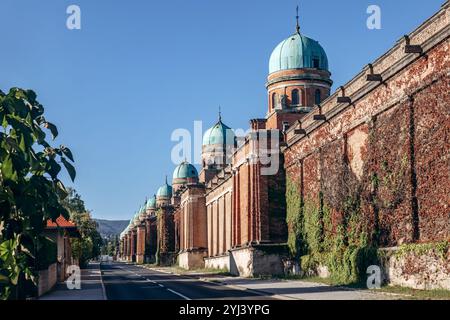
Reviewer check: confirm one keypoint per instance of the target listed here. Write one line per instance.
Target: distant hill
(111, 228)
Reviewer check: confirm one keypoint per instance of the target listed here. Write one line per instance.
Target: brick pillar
(166, 235)
(129, 246)
(133, 245)
(234, 211)
(126, 252)
(253, 197)
(177, 230)
(237, 209)
(140, 243)
(153, 236)
(147, 251)
(182, 227)
(198, 219)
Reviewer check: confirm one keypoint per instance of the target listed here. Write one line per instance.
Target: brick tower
(298, 79)
(165, 225)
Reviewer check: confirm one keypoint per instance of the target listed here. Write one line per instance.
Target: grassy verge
(438, 294)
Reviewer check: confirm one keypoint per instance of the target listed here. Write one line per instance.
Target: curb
(256, 291)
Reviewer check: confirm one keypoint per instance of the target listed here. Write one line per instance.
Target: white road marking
(103, 284)
(159, 284)
(179, 294)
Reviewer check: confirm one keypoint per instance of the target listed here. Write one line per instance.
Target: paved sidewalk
(91, 287)
(302, 290)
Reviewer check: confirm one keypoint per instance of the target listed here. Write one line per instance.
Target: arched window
(274, 100)
(295, 97)
(317, 97)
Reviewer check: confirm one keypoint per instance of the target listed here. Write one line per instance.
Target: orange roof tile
(60, 222)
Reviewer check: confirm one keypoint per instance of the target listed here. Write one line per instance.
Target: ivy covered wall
(375, 175)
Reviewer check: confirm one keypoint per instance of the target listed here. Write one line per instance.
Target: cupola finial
(220, 114)
(298, 24)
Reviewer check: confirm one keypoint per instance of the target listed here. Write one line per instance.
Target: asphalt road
(128, 282)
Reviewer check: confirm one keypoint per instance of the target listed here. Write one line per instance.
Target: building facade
(370, 159)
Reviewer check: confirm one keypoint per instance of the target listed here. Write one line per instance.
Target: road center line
(159, 284)
(178, 294)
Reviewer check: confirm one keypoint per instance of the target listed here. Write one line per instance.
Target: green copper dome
(151, 203)
(185, 170)
(136, 219)
(164, 191)
(298, 52)
(220, 133)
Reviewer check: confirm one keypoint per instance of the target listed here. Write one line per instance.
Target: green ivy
(294, 217)
(439, 248)
(345, 250)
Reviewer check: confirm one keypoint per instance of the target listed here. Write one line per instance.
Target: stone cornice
(428, 35)
(305, 76)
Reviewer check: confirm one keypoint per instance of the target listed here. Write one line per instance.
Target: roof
(60, 222)
(185, 170)
(297, 52)
(220, 133)
(164, 191)
(151, 203)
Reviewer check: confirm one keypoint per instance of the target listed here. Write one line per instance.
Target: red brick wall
(273, 202)
(150, 236)
(432, 155)
(193, 221)
(258, 199)
(393, 147)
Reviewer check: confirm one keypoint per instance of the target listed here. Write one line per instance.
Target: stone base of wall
(140, 258)
(150, 258)
(418, 270)
(192, 259)
(293, 268)
(167, 259)
(219, 262)
(47, 279)
(258, 260)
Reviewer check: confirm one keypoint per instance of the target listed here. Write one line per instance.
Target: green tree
(73, 202)
(30, 189)
(90, 243)
(112, 246)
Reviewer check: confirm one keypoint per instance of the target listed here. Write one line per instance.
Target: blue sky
(137, 70)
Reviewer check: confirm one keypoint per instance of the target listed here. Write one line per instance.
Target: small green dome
(151, 203)
(185, 170)
(164, 191)
(297, 52)
(220, 133)
(136, 219)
